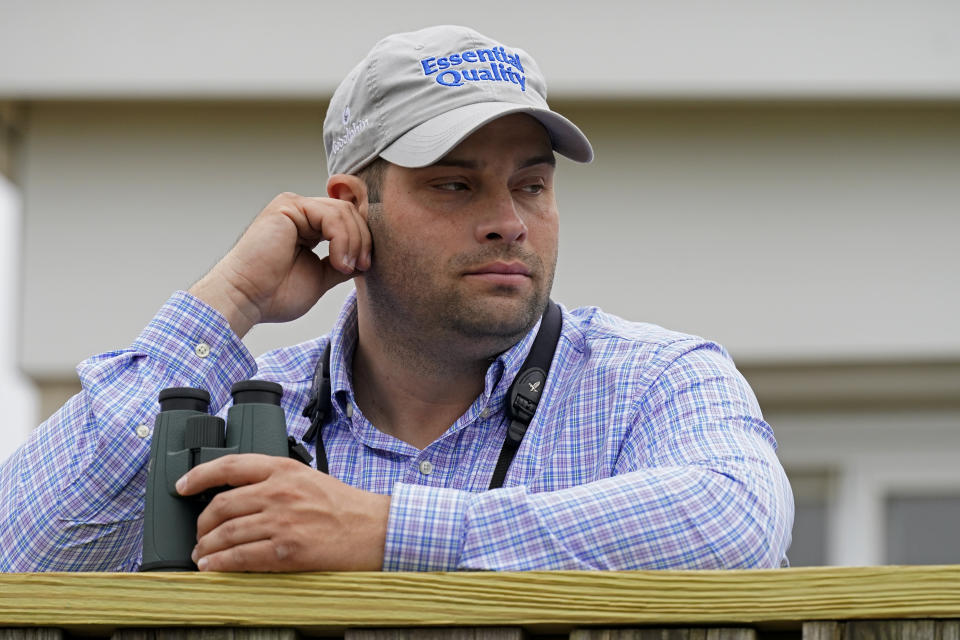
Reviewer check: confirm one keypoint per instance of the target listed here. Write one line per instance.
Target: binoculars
(185, 435)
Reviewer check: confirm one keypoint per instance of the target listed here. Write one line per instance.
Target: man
(648, 449)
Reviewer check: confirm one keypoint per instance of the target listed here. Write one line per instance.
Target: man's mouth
(508, 273)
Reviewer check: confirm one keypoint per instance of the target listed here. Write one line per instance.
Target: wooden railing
(815, 604)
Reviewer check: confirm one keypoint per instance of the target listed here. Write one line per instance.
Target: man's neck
(411, 391)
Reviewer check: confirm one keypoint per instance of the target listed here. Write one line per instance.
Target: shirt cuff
(195, 343)
(426, 528)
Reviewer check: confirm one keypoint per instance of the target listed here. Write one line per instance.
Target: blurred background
(782, 177)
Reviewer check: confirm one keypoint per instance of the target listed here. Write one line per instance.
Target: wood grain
(555, 601)
(831, 630)
(891, 630)
(37, 633)
(226, 633)
(451, 633)
(883, 630)
(950, 629)
(698, 633)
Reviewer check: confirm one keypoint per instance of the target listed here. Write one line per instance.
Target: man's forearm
(72, 497)
(731, 514)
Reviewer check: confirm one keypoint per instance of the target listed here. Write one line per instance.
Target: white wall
(646, 48)
(17, 396)
(790, 234)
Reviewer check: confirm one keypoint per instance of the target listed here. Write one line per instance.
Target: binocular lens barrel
(184, 399)
(256, 391)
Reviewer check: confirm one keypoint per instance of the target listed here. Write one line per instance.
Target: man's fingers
(366, 242)
(234, 532)
(318, 219)
(261, 555)
(234, 470)
(353, 236)
(274, 518)
(228, 506)
(350, 243)
(340, 223)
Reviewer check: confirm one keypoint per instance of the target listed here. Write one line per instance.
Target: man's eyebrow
(456, 162)
(547, 158)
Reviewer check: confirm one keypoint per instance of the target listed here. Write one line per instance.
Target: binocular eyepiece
(186, 435)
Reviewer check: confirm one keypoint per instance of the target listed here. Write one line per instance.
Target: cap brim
(428, 142)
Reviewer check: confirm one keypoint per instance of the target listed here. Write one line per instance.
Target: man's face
(467, 247)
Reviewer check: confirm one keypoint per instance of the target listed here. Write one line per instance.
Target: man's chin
(498, 314)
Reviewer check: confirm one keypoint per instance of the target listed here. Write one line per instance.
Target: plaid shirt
(648, 451)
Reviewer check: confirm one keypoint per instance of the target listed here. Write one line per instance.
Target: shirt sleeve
(71, 498)
(697, 485)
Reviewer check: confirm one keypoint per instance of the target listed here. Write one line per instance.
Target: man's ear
(342, 186)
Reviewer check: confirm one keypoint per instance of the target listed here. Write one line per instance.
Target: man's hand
(272, 274)
(284, 516)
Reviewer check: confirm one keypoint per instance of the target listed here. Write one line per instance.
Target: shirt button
(485, 413)
(349, 409)
(143, 431)
(426, 467)
(202, 349)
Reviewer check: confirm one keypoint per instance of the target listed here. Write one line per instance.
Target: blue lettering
(503, 67)
(489, 57)
(428, 66)
(450, 78)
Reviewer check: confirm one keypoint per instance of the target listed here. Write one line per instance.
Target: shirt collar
(343, 344)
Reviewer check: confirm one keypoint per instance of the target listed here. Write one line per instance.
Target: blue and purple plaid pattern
(648, 451)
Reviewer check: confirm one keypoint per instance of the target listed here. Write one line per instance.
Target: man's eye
(533, 188)
(451, 186)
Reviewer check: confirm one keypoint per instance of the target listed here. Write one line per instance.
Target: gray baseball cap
(418, 95)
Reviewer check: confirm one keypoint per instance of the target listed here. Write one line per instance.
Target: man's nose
(500, 220)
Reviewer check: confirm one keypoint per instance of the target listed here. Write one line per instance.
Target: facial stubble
(411, 300)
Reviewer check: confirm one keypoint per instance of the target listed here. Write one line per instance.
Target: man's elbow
(764, 532)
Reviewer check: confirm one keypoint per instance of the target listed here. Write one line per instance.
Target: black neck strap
(526, 390)
(521, 402)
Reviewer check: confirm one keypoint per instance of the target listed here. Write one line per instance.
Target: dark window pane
(923, 529)
(809, 546)
(811, 491)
